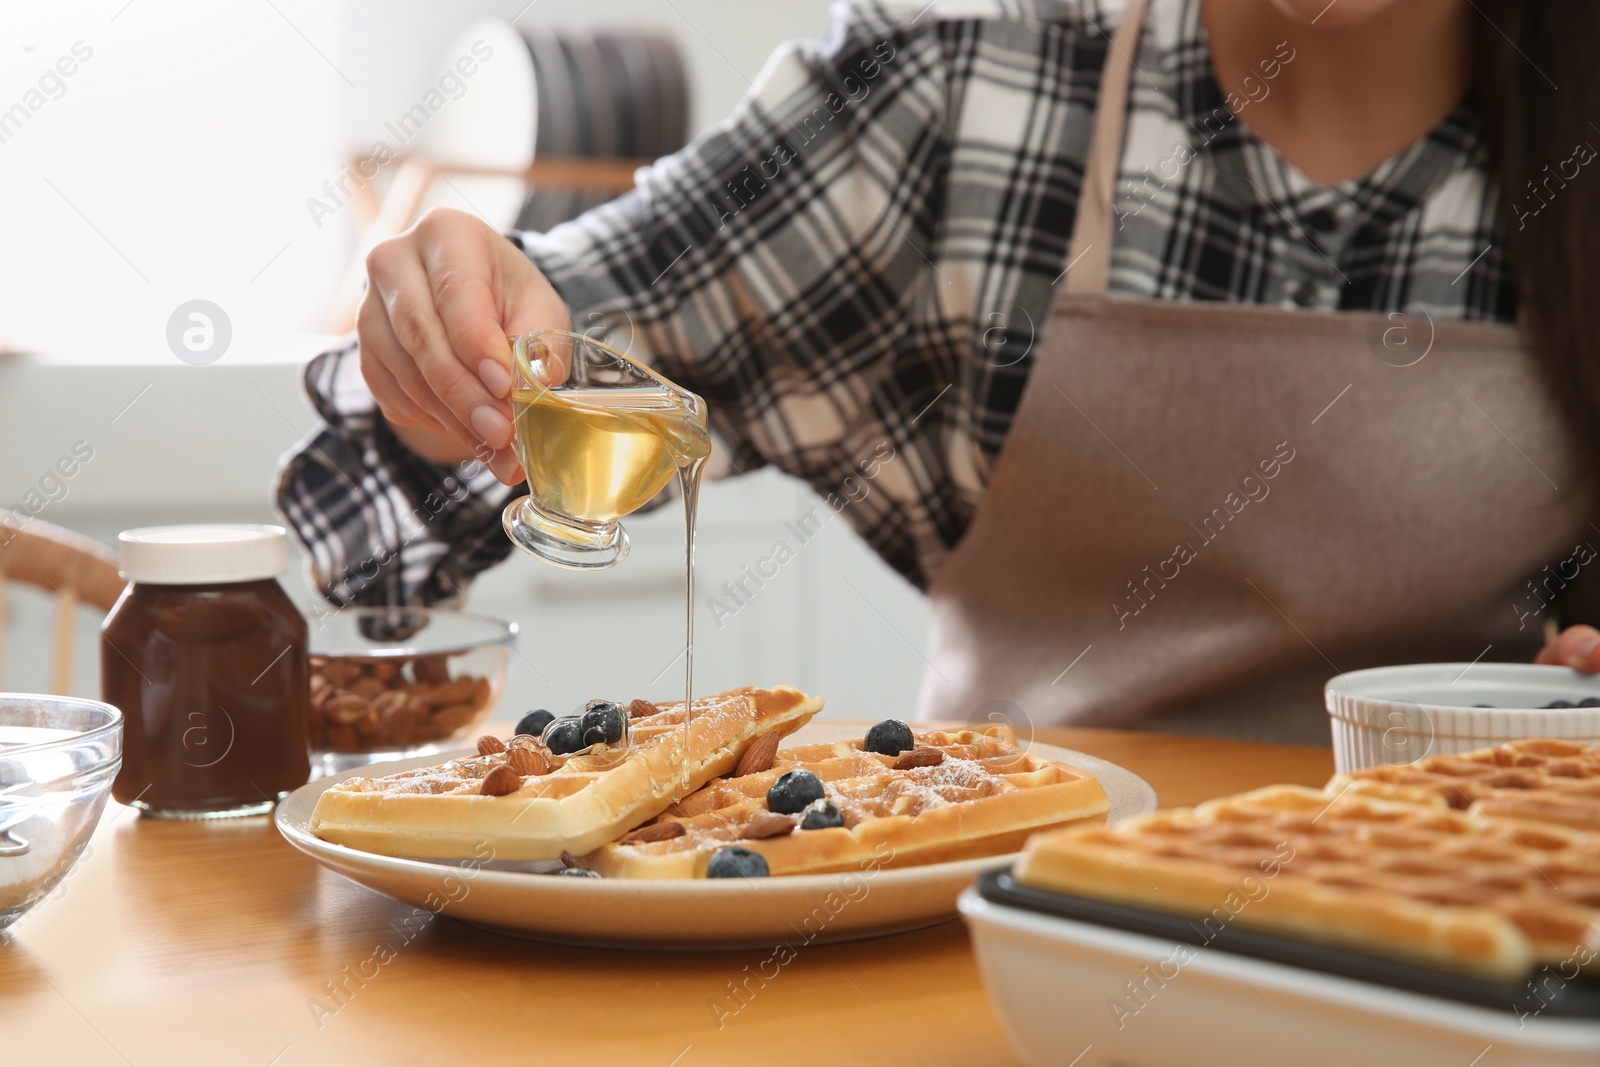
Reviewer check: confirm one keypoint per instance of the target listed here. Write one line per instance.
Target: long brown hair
(1537, 87)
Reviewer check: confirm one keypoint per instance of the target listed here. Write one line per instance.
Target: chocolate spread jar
(206, 656)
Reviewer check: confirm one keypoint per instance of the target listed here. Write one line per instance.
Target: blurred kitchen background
(195, 151)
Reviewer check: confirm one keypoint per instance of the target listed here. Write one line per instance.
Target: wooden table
(214, 943)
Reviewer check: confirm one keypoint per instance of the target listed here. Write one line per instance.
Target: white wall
(200, 443)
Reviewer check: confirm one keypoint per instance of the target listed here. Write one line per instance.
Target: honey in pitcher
(597, 455)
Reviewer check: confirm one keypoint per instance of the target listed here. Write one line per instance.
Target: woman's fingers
(383, 364)
(462, 274)
(529, 302)
(505, 466)
(378, 338)
(471, 323)
(403, 285)
(1577, 647)
(392, 400)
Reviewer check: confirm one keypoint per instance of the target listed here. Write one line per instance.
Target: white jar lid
(201, 555)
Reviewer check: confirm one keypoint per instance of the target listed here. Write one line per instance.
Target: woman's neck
(1354, 94)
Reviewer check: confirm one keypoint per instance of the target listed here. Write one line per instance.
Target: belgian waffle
(983, 797)
(441, 812)
(1411, 878)
(1539, 780)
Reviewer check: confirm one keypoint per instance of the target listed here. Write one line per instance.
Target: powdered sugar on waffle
(915, 791)
(983, 792)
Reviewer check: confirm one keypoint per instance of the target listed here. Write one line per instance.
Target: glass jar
(207, 658)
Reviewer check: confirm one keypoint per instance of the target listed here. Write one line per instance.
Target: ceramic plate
(558, 133)
(672, 80)
(518, 899)
(633, 91)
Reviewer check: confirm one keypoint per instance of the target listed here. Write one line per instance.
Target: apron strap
(1090, 258)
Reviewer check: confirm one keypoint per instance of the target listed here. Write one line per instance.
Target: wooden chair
(77, 570)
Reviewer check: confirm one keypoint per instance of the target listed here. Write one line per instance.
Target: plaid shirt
(855, 266)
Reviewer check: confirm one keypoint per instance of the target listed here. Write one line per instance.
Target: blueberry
(603, 723)
(736, 863)
(820, 815)
(890, 738)
(792, 791)
(564, 736)
(534, 722)
(1589, 702)
(578, 872)
(1559, 704)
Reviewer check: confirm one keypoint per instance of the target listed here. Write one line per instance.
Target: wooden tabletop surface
(215, 943)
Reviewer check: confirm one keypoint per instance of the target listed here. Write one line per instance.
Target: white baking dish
(1055, 983)
(1400, 714)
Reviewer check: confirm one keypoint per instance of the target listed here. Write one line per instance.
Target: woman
(1188, 326)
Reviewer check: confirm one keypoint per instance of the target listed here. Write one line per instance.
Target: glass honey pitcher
(598, 435)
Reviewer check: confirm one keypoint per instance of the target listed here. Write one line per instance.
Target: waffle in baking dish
(1407, 876)
(443, 811)
(947, 795)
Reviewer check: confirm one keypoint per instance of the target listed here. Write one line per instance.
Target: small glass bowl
(390, 683)
(58, 756)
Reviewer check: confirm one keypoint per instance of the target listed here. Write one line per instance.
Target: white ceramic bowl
(1400, 714)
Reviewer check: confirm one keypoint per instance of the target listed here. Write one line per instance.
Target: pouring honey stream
(599, 435)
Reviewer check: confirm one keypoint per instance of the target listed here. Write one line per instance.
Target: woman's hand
(441, 299)
(1576, 646)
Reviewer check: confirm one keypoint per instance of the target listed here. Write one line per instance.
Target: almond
(638, 709)
(386, 704)
(768, 825)
(345, 708)
(458, 691)
(500, 781)
(661, 831)
(431, 669)
(489, 744)
(368, 728)
(758, 756)
(919, 757)
(526, 761)
(340, 672)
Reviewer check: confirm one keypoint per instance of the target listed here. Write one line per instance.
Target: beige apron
(1203, 511)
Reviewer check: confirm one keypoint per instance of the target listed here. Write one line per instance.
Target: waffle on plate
(1441, 862)
(940, 796)
(445, 812)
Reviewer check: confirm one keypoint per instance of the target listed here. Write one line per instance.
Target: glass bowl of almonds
(390, 683)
